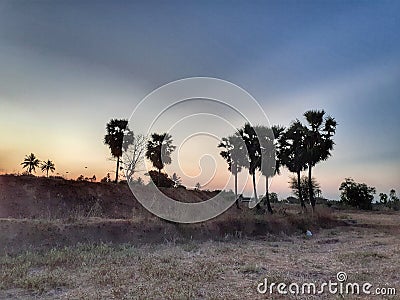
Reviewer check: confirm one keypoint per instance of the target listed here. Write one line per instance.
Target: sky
(68, 67)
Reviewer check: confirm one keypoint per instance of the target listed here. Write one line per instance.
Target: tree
(139, 181)
(235, 156)
(270, 163)
(176, 179)
(318, 142)
(394, 201)
(293, 184)
(133, 155)
(118, 138)
(106, 178)
(47, 166)
(357, 194)
(159, 150)
(292, 152)
(30, 162)
(250, 138)
(383, 198)
(197, 186)
(392, 195)
(273, 197)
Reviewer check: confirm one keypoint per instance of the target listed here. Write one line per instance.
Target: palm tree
(159, 150)
(269, 152)
(235, 156)
(118, 138)
(318, 142)
(292, 152)
(250, 138)
(30, 162)
(47, 166)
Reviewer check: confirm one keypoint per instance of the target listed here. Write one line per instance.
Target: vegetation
(294, 185)
(250, 138)
(235, 156)
(161, 179)
(159, 150)
(177, 180)
(30, 163)
(357, 194)
(318, 142)
(133, 155)
(270, 163)
(118, 138)
(48, 166)
(292, 154)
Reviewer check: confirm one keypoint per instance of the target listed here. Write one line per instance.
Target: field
(88, 256)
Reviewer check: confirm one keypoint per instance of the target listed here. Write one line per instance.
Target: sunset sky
(68, 67)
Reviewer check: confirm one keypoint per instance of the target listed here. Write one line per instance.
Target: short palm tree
(47, 166)
(30, 162)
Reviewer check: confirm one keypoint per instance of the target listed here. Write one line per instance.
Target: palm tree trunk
(258, 206)
(236, 195)
(116, 172)
(303, 205)
(267, 196)
(310, 188)
(47, 171)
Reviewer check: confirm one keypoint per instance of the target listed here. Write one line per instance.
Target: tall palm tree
(235, 156)
(318, 142)
(30, 162)
(292, 152)
(270, 163)
(159, 150)
(250, 138)
(118, 138)
(47, 166)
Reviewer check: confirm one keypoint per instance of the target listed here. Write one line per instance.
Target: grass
(185, 267)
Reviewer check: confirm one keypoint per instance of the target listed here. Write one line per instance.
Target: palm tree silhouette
(159, 150)
(250, 138)
(269, 149)
(47, 166)
(30, 162)
(118, 138)
(318, 142)
(235, 156)
(292, 152)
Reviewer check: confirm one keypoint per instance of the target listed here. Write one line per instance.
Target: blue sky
(76, 64)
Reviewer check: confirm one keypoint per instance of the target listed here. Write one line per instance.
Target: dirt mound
(39, 197)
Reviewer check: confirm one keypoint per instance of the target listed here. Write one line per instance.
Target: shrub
(357, 194)
(161, 179)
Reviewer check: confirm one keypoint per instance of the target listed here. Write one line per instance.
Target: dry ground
(228, 267)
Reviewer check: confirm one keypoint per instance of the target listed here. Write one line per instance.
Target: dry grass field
(115, 250)
(229, 267)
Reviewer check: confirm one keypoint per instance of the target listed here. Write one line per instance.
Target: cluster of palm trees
(298, 148)
(31, 162)
(257, 148)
